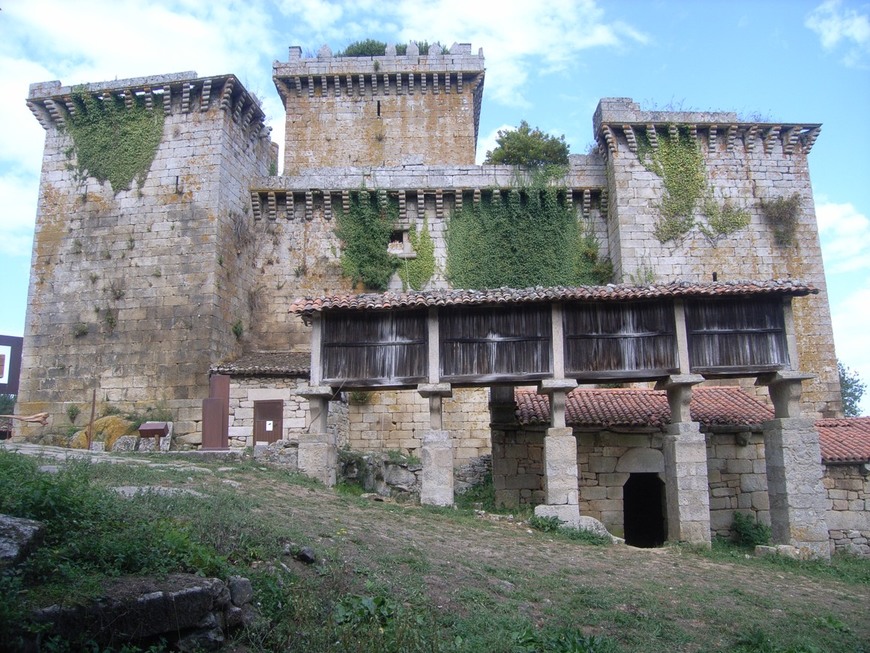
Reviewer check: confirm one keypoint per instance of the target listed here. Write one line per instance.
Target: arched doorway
(643, 510)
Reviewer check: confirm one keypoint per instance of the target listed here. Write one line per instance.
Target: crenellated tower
(380, 111)
(142, 252)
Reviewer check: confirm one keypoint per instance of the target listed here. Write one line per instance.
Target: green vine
(523, 238)
(364, 231)
(722, 220)
(782, 214)
(113, 143)
(416, 272)
(680, 164)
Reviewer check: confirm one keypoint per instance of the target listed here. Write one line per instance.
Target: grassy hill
(398, 577)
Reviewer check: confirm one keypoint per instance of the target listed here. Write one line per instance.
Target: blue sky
(547, 62)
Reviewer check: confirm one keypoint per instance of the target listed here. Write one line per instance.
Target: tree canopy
(852, 388)
(525, 146)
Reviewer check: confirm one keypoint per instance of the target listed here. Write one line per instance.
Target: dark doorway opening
(643, 510)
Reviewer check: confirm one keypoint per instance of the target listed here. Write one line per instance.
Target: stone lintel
(435, 390)
(785, 391)
(679, 380)
(549, 386)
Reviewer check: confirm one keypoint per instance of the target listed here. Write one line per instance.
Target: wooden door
(268, 420)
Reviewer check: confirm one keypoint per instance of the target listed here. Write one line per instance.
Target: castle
(176, 252)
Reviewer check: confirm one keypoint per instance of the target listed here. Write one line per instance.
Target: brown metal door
(268, 420)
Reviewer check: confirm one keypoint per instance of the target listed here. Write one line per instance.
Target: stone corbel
(679, 389)
(785, 391)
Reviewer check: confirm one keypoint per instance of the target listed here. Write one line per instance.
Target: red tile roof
(638, 407)
(306, 306)
(841, 440)
(845, 440)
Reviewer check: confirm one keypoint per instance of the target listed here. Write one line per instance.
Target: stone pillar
(687, 486)
(436, 453)
(560, 477)
(318, 456)
(561, 486)
(794, 470)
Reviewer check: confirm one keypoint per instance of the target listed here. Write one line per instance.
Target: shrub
(749, 532)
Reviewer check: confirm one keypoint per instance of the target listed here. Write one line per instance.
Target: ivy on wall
(782, 214)
(113, 143)
(416, 272)
(364, 231)
(522, 238)
(722, 220)
(679, 162)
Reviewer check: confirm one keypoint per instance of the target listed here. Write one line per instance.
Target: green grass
(397, 578)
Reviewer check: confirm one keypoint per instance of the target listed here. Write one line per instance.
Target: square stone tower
(380, 111)
(142, 252)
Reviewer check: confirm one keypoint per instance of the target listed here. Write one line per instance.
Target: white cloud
(850, 318)
(838, 26)
(18, 213)
(845, 237)
(487, 142)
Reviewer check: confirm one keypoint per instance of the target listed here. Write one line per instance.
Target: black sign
(10, 364)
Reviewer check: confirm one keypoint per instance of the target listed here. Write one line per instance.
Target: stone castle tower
(139, 291)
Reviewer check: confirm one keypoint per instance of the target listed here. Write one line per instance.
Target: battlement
(52, 103)
(459, 58)
(619, 120)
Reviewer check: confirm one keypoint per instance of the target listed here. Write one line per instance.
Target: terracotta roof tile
(841, 440)
(306, 306)
(266, 363)
(845, 440)
(638, 407)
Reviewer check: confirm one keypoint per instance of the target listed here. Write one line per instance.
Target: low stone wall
(395, 421)
(848, 488)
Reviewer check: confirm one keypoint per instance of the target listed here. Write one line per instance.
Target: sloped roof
(845, 440)
(306, 306)
(266, 363)
(633, 407)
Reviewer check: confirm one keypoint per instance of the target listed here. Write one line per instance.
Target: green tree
(852, 388)
(525, 146)
(7, 404)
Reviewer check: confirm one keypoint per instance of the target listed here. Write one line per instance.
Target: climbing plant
(112, 142)
(680, 164)
(416, 272)
(722, 220)
(782, 214)
(364, 231)
(522, 238)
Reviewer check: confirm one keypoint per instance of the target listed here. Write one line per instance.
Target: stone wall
(395, 420)
(848, 517)
(136, 291)
(736, 470)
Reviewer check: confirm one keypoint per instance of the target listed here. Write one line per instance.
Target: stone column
(318, 456)
(436, 487)
(561, 485)
(794, 470)
(687, 486)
